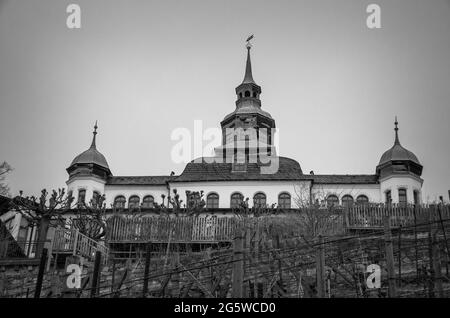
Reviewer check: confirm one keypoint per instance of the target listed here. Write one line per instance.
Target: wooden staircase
(72, 242)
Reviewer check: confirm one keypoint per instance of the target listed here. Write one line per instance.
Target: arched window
(284, 200)
(254, 94)
(388, 197)
(119, 202)
(236, 200)
(402, 199)
(212, 201)
(240, 95)
(133, 202)
(362, 200)
(332, 200)
(81, 196)
(259, 200)
(148, 202)
(247, 93)
(347, 201)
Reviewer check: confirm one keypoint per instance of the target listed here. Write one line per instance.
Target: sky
(146, 68)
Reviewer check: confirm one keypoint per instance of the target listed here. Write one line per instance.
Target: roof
(92, 155)
(345, 179)
(138, 180)
(288, 169)
(398, 153)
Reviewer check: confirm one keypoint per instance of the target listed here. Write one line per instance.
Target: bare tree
(44, 211)
(90, 219)
(5, 168)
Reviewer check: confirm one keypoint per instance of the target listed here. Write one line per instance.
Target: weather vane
(249, 45)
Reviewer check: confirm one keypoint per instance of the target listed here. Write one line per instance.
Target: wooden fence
(173, 229)
(210, 229)
(371, 216)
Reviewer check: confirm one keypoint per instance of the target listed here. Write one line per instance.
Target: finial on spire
(397, 141)
(248, 78)
(94, 133)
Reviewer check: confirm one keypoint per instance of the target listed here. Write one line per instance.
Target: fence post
(389, 257)
(437, 267)
(320, 269)
(96, 274)
(75, 242)
(400, 255)
(40, 277)
(238, 266)
(146, 270)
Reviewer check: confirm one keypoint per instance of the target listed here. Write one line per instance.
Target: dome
(92, 155)
(398, 153)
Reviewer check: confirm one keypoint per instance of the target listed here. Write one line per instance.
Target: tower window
(95, 197)
(81, 196)
(240, 95)
(347, 201)
(247, 93)
(284, 200)
(416, 197)
(212, 201)
(236, 200)
(402, 199)
(148, 201)
(259, 200)
(388, 197)
(254, 94)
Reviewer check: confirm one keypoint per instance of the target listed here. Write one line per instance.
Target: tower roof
(397, 152)
(248, 77)
(92, 155)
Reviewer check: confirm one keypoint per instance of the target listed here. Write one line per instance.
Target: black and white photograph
(227, 156)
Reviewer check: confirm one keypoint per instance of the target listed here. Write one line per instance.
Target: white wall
(247, 188)
(372, 191)
(112, 191)
(395, 182)
(89, 183)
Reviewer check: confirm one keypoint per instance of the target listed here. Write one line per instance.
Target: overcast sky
(145, 68)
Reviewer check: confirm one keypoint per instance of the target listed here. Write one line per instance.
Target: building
(397, 177)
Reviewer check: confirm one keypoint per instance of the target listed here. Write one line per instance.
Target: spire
(248, 78)
(93, 146)
(397, 141)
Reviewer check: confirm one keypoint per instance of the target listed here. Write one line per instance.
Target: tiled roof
(289, 169)
(345, 178)
(138, 180)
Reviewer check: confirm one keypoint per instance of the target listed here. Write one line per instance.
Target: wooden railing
(372, 216)
(122, 228)
(174, 229)
(73, 242)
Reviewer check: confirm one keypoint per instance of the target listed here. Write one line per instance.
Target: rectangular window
(402, 200)
(388, 197)
(81, 196)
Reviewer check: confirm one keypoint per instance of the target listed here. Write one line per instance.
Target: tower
(399, 173)
(88, 173)
(247, 132)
